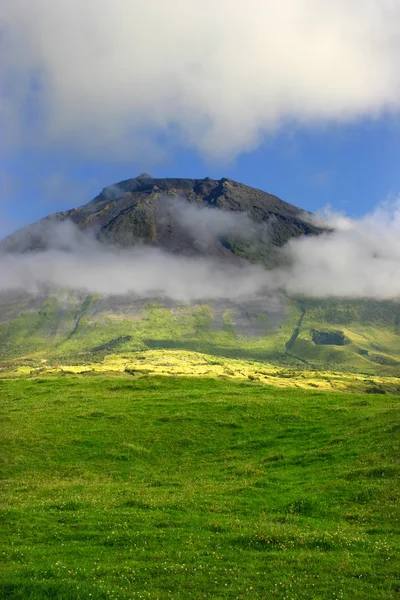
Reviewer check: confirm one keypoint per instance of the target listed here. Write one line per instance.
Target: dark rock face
(132, 211)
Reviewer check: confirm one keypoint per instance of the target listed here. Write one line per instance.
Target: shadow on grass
(223, 351)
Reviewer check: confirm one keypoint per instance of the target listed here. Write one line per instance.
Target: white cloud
(204, 225)
(75, 260)
(358, 259)
(115, 75)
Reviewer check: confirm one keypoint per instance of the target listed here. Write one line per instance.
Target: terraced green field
(132, 486)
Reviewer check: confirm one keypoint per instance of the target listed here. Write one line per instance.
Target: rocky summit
(138, 210)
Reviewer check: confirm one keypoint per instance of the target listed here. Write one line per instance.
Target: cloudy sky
(299, 97)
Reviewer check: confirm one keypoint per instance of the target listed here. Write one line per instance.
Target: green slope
(357, 336)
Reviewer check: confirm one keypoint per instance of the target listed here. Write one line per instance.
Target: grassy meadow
(136, 485)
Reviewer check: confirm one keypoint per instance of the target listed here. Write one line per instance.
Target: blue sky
(304, 105)
(351, 168)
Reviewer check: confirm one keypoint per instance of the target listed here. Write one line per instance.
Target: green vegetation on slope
(125, 487)
(352, 336)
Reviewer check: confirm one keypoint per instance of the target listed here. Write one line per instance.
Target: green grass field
(164, 487)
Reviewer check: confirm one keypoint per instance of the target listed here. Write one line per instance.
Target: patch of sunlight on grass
(186, 363)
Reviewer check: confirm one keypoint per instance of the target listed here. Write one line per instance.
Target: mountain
(65, 326)
(133, 211)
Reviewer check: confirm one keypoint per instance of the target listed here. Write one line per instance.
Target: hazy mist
(357, 259)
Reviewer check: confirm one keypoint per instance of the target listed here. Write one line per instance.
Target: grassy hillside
(124, 487)
(341, 336)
